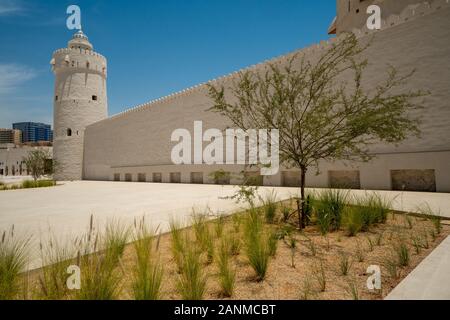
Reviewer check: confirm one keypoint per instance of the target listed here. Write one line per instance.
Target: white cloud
(12, 76)
(9, 7)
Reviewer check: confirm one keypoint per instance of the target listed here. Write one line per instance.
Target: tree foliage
(321, 107)
(39, 162)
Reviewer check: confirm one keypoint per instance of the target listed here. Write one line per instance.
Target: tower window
(94, 98)
(69, 132)
(56, 98)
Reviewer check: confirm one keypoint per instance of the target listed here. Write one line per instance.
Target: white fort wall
(138, 140)
(375, 175)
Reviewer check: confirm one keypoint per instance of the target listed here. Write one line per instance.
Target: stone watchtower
(80, 99)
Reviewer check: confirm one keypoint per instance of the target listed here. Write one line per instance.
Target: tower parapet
(80, 99)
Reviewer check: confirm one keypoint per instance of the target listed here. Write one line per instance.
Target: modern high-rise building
(10, 136)
(34, 132)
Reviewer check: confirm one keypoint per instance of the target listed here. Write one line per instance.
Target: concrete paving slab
(430, 280)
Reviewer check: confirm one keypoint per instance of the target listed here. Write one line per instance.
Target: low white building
(12, 159)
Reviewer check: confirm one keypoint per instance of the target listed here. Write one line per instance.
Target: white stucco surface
(64, 211)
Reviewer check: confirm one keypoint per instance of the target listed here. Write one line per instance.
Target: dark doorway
(197, 177)
(141, 177)
(157, 177)
(175, 177)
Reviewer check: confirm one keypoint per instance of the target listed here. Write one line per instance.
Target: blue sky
(154, 47)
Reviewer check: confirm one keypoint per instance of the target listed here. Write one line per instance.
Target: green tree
(39, 162)
(321, 107)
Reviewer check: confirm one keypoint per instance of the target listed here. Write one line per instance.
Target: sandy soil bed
(286, 283)
(283, 282)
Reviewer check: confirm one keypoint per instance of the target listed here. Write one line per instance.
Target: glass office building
(34, 132)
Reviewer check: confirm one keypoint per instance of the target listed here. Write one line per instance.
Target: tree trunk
(301, 205)
(299, 211)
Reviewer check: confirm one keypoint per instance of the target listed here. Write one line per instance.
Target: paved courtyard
(67, 208)
(64, 211)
